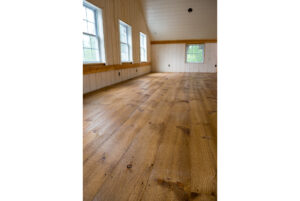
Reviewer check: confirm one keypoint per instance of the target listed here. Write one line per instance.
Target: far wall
(174, 54)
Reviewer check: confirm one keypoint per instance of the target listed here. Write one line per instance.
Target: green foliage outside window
(195, 53)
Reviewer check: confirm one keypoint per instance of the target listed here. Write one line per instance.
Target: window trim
(186, 53)
(146, 54)
(98, 14)
(129, 41)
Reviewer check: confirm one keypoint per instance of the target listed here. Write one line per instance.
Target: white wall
(174, 54)
(92, 82)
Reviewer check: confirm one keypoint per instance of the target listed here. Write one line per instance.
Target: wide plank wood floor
(152, 138)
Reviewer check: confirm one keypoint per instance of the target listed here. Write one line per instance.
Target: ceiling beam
(191, 41)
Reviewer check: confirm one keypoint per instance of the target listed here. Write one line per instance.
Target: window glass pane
(195, 53)
(83, 13)
(144, 41)
(84, 26)
(90, 15)
(141, 40)
(190, 58)
(201, 54)
(86, 41)
(90, 55)
(94, 42)
(190, 49)
(123, 34)
(91, 28)
(124, 52)
(196, 49)
(90, 42)
(198, 57)
(87, 55)
(195, 58)
(143, 54)
(95, 55)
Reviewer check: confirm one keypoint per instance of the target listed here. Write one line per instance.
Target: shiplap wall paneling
(174, 54)
(92, 82)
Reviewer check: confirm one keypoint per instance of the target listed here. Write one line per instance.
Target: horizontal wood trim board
(96, 68)
(184, 41)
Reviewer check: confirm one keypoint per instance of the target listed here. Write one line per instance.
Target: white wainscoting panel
(92, 82)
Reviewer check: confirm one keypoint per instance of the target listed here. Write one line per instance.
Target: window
(143, 47)
(125, 42)
(93, 40)
(195, 53)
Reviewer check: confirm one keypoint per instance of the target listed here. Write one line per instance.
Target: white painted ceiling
(169, 19)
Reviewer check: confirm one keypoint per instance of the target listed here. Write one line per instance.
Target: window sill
(101, 67)
(92, 64)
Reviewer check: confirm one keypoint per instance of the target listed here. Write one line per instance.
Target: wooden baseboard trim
(96, 68)
(184, 41)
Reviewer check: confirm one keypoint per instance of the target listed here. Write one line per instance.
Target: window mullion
(85, 12)
(127, 37)
(97, 33)
(89, 34)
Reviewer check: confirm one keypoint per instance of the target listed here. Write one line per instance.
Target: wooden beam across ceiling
(192, 41)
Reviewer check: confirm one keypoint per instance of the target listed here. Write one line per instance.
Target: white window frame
(98, 30)
(143, 47)
(129, 41)
(186, 53)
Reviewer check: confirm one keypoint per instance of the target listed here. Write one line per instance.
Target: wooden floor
(153, 138)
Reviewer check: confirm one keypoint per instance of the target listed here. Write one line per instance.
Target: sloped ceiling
(170, 20)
